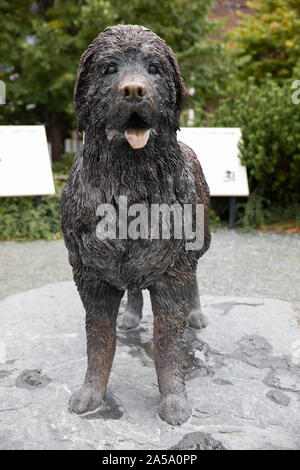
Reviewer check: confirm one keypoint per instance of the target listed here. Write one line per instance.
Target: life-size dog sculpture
(128, 96)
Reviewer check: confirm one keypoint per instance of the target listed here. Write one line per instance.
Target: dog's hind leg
(170, 306)
(133, 313)
(196, 318)
(101, 302)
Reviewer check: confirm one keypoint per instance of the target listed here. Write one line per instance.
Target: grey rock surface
(243, 377)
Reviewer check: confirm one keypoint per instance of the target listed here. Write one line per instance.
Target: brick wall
(229, 8)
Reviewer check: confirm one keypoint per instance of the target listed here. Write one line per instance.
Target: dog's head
(129, 86)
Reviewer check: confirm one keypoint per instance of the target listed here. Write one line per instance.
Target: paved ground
(255, 264)
(244, 368)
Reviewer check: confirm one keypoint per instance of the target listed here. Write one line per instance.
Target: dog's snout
(133, 91)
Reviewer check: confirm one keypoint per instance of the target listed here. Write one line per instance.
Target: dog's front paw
(197, 320)
(128, 321)
(174, 410)
(85, 400)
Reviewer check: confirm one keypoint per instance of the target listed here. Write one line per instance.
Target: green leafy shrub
(259, 212)
(253, 213)
(21, 220)
(63, 165)
(268, 40)
(214, 220)
(270, 147)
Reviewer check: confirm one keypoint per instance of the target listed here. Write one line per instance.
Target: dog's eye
(109, 69)
(153, 69)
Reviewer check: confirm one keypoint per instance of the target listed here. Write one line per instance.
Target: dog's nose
(133, 91)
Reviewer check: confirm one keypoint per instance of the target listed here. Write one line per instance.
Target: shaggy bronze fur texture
(129, 94)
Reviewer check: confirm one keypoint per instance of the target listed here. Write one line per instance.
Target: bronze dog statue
(129, 94)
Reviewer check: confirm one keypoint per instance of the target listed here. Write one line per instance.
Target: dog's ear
(82, 86)
(179, 85)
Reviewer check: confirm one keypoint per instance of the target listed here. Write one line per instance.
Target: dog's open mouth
(137, 132)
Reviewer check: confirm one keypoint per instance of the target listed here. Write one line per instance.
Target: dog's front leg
(101, 303)
(170, 307)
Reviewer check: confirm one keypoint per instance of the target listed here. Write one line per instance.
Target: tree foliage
(268, 40)
(41, 43)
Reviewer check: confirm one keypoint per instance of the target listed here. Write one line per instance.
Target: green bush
(63, 166)
(20, 219)
(267, 41)
(214, 220)
(259, 212)
(253, 213)
(270, 147)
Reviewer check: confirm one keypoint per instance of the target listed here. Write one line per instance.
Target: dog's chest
(115, 227)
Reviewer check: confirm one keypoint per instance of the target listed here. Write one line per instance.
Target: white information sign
(25, 167)
(217, 151)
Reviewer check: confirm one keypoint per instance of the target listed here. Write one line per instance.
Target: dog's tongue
(137, 138)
